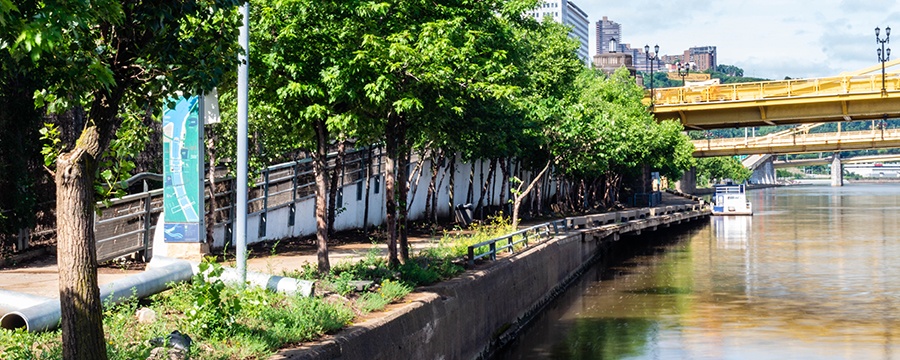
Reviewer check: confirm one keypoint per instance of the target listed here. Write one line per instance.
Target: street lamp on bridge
(683, 70)
(883, 55)
(651, 59)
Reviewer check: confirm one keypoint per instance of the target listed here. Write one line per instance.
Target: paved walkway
(42, 278)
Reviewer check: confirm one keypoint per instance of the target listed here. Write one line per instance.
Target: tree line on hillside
(727, 74)
(467, 79)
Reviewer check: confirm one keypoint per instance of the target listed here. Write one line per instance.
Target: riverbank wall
(470, 316)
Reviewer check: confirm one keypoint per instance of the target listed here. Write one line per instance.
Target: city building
(607, 30)
(702, 57)
(567, 13)
(611, 61)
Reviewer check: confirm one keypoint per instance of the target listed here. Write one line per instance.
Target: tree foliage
(105, 61)
(713, 169)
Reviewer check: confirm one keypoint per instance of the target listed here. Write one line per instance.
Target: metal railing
(539, 233)
(125, 226)
(509, 242)
(797, 139)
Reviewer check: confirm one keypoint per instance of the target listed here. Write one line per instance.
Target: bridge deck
(854, 96)
(799, 143)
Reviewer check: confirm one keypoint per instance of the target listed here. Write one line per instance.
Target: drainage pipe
(46, 315)
(13, 300)
(232, 277)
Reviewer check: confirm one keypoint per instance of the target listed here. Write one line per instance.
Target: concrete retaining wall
(466, 317)
(353, 207)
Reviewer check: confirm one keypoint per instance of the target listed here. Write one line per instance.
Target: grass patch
(229, 323)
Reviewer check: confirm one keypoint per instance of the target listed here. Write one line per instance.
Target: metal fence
(518, 239)
(125, 226)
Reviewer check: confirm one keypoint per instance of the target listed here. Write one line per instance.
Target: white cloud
(768, 38)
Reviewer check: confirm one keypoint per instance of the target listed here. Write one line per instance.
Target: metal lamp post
(883, 54)
(651, 59)
(683, 71)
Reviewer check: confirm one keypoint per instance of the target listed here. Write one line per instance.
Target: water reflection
(732, 232)
(810, 276)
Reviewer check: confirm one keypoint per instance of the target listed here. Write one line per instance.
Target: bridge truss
(850, 96)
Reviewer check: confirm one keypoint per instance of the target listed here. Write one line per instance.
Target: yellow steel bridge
(851, 96)
(779, 164)
(795, 143)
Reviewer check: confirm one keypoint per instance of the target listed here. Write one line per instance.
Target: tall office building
(567, 13)
(606, 30)
(702, 57)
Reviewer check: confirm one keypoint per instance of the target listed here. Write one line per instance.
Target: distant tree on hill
(730, 74)
(730, 70)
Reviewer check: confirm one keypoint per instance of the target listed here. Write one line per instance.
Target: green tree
(303, 95)
(730, 70)
(719, 168)
(549, 66)
(423, 61)
(105, 57)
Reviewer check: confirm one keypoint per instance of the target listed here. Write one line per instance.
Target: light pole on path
(683, 70)
(651, 59)
(883, 55)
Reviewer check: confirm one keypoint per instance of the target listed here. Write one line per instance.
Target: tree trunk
(470, 194)
(484, 187)
(390, 197)
(437, 192)
(504, 183)
(414, 179)
(582, 190)
(79, 293)
(521, 194)
(451, 169)
(431, 186)
(336, 174)
(367, 175)
(403, 189)
(320, 158)
(211, 213)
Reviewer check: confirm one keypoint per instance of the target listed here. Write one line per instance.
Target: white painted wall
(351, 216)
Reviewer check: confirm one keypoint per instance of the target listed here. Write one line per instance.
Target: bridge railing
(797, 139)
(774, 89)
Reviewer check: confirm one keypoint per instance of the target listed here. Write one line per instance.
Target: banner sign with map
(183, 161)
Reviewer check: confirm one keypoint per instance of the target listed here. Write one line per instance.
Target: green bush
(371, 301)
(20, 344)
(214, 306)
(416, 275)
(341, 284)
(393, 291)
(389, 292)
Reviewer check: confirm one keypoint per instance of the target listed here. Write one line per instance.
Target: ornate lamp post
(651, 60)
(883, 55)
(683, 70)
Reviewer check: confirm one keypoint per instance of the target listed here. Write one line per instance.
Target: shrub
(214, 306)
(393, 291)
(371, 301)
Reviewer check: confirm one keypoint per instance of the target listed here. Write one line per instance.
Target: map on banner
(183, 157)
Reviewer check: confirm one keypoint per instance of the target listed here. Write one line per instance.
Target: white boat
(731, 200)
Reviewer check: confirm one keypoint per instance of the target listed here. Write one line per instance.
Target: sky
(767, 38)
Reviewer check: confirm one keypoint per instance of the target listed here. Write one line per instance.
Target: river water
(814, 274)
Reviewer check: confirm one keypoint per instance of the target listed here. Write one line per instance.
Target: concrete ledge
(468, 316)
